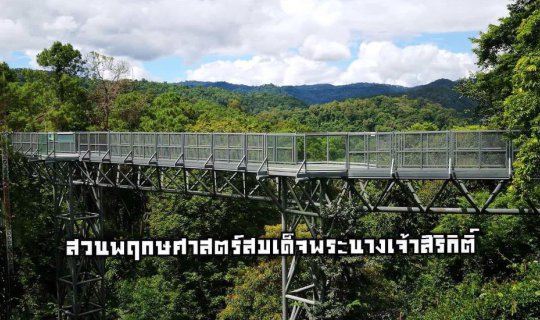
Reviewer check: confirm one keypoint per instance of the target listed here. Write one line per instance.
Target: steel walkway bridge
(300, 173)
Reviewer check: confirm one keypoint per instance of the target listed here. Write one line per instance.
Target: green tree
(498, 51)
(127, 110)
(508, 84)
(61, 59)
(168, 112)
(423, 126)
(108, 79)
(68, 108)
(64, 62)
(7, 76)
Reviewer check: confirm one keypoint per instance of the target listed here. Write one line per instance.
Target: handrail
(424, 150)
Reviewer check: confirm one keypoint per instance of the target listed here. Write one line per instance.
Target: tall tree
(108, 76)
(64, 62)
(61, 92)
(508, 84)
(6, 76)
(61, 59)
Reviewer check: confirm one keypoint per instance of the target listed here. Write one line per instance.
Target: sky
(254, 42)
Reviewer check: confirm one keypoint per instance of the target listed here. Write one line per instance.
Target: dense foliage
(500, 281)
(443, 91)
(374, 114)
(440, 91)
(508, 86)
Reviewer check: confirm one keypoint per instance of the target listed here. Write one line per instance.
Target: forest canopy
(72, 93)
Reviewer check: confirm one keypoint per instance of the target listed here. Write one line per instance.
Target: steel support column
(80, 289)
(282, 191)
(6, 233)
(294, 198)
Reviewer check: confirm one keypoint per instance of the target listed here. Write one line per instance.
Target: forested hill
(255, 99)
(311, 94)
(440, 91)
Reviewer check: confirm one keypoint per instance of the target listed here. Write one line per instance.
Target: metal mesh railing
(281, 148)
(423, 149)
(325, 151)
(477, 149)
(169, 145)
(316, 151)
(370, 150)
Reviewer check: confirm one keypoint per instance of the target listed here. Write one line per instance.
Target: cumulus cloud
(147, 30)
(61, 23)
(137, 71)
(324, 50)
(285, 70)
(309, 32)
(379, 62)
(384, 62)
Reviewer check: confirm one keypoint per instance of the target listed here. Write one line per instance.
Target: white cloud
(324, 50)
(325, 13)
(61, 23)
(285, 70)
(137, 70)
(32, 57)
(380, 62)
(383, 62)
(191, 29)
(14, 37)
(269, 30)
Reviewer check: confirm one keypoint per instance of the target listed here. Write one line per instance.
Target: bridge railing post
(327, 148)
(245, 149)
(347, 153)
(274, 147)
(54, 144)
(76, 142)
(46, 142)
(156, 146)
(183, 144)
(479, 149)
(509, 155)
(212, 145)
(393, 151)
(305, 153)
(228, 147)
(451, 155)
(294, 146)
(423, 150)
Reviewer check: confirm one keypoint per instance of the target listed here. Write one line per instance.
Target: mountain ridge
(440, 91)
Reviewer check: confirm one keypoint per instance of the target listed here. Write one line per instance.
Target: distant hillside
(258, 98)
(440, 91)
(311, 94)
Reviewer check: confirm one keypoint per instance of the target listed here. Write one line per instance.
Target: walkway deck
(368, 155)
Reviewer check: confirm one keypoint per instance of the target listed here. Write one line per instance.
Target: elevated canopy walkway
(482, 154)
(301, 174)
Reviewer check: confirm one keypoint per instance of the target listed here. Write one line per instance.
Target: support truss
(7, 270)
(305, 202)
(300, 201)
(80, 287)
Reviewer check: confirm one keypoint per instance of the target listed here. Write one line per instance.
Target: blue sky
(259, 41)
(451, 41)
